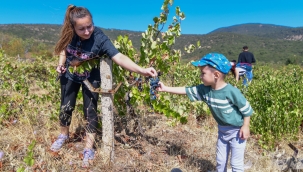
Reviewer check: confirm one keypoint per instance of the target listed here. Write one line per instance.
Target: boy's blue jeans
(229, 141)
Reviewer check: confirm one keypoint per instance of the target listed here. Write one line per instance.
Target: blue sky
(202, 16)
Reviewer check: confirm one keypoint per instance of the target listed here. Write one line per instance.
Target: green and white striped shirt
(227, 105)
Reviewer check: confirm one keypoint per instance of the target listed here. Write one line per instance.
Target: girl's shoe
(88, 155)
(59, 142)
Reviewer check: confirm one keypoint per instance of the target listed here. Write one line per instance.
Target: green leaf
(2, 109)
(30, 154)
(154, 45)
(32, 145)
(167, 113)
(198, 44)
(156, 19)
(32, 162)
(171, 2)
(182, 16)
(27, 160)
(71, 69)
(180, 111)
(183, 120)
(21, 169)
(175, 114)
(177, 11)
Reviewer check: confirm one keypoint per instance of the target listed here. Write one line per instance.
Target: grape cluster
(139, 83)
(154, 83)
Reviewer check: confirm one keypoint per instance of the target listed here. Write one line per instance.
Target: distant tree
(292, 60)
(28, 44)
(15, 47)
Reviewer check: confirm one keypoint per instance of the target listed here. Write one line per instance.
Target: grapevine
(156, 51)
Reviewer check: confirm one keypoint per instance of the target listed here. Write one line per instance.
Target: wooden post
(108, 150)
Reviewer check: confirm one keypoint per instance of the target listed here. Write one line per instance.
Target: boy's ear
(217, 74)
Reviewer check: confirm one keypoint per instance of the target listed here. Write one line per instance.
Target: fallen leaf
(54, 154)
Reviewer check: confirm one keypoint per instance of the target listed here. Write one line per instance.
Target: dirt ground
(147, 143)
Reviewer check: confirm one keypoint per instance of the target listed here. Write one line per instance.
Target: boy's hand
(173, 90)
(161, 87)
(244, 132)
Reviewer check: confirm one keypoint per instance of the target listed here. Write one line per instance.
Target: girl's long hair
(68, 31)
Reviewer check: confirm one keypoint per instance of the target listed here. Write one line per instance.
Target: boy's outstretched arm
(245, 131)
(173, 90)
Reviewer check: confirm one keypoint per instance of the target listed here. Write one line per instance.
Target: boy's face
(207, 75)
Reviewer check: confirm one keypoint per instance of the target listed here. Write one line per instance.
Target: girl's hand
(61, 69)
(149, 72)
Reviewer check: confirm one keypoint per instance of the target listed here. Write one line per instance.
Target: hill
(269, 43)
(264, 30)
(230, 44)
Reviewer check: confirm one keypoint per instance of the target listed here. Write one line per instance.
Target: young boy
(228, 106)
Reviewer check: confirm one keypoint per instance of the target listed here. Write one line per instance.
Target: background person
(233, 64)
(237, 72)
(245, 61)
(228, 107)
(80, 40)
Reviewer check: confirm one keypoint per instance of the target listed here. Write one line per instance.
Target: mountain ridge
(269, 43)
(266, 30)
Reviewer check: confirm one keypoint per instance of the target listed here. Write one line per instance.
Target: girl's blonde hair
(68, 31)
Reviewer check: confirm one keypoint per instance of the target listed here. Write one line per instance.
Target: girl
(79, 41)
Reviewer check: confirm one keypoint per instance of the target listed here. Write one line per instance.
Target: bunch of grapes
(154, 83)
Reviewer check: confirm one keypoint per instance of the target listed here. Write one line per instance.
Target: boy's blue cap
(215, 60)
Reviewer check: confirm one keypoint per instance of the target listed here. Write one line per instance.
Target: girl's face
(84, 27)
(207, 75)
